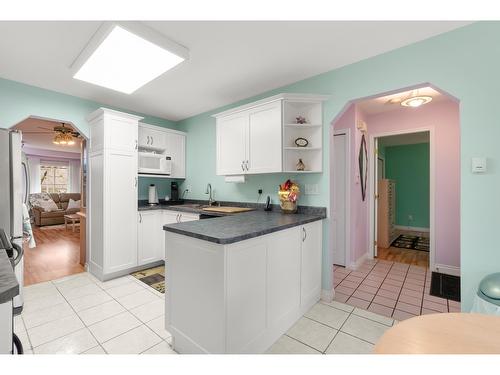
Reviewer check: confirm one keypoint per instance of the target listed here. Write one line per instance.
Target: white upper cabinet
(232, 144)
(152, 139)
(264, 139)
(260, 137)
(176, 149)
(167, 142)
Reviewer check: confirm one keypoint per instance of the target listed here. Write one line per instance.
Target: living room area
(54, 218)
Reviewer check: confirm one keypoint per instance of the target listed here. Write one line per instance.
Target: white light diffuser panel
(124, 62)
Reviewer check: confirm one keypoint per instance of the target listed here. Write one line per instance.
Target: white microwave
(152, 163)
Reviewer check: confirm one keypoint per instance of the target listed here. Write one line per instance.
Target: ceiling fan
(62, 135)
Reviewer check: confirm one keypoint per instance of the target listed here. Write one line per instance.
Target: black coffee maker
(174, 191)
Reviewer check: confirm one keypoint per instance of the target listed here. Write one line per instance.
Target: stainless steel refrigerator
(14, 190)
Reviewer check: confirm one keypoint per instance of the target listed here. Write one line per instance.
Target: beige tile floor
(333, 328)
(82, 315)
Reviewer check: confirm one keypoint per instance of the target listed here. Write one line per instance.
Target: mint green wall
(408, 165)
(162, 186)
(463, 62)
(19, 101)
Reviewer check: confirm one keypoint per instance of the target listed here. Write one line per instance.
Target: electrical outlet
(312, 189)
(260, 191)
(188, 188)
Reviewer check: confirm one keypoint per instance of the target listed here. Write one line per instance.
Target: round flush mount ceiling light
(416, 101)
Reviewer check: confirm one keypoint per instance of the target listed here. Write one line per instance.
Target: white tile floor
(333, 328)
(80, 314)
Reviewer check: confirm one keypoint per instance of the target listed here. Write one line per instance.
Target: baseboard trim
(327, 295)
(449, 270)
(413, 229)
(356, 264)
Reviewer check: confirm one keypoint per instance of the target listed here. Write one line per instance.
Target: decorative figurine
(301, 142)
(300, 165)
(300, 120)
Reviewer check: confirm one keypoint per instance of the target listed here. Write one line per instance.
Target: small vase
(300, 165)
(288, 207)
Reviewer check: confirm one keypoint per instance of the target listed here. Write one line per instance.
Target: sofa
(42, 217)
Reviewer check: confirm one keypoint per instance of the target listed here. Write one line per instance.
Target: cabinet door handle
(148, 139)
(304, 234)
(242, 167)
(152, 140)
(180, 217)
(136, 145)
(140, 218)
(246, 164)
(136, 182)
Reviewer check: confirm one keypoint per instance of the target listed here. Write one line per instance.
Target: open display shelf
(312, 131)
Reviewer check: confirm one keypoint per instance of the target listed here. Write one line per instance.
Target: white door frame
(347, 133)
(432, 189)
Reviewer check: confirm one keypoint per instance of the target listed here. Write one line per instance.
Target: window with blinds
(54, 176)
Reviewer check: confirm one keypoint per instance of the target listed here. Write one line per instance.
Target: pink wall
(358, 222)
(443, 118)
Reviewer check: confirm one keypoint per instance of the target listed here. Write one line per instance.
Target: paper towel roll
(153, 194)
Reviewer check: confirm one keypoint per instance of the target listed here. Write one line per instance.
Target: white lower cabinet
(150, 237)
(150, 233)
(250, 292)
(311, 257)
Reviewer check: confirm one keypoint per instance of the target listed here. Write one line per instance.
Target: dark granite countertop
(9, 288)
(242, 226)
(181, 208)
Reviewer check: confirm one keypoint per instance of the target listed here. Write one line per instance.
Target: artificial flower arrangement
(289, 194)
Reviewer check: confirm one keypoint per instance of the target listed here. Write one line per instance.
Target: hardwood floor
(395, 254)
(56, 255)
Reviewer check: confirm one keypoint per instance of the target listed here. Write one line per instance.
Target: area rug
(153, 277)
(445, 286)
(405, 241)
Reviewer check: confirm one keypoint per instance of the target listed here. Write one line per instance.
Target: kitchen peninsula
(235, 284)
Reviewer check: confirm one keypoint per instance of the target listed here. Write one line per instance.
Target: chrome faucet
(209, 192)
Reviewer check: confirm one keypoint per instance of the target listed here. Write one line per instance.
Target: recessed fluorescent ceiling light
(125, 61)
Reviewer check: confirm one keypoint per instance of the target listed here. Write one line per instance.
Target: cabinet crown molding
(283, 96)
(102, 111)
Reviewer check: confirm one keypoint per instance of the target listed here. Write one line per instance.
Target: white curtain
(34, 166)
(74, 176)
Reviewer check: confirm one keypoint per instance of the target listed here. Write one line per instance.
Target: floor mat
(154, 277)
(405, 241)
(445, 286)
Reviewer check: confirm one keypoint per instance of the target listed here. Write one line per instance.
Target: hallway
(392, 289)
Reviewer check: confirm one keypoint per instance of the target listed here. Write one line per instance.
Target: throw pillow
(48, 206)
(44, 201)
(73, 204)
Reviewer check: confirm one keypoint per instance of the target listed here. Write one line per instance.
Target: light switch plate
(478, 165)
(312, 189)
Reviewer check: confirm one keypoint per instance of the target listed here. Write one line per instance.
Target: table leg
(73, 223)
(65, 224)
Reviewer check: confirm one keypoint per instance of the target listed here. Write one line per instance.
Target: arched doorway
(363, 123)
(55, 191)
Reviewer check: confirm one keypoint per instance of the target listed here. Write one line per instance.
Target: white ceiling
(404, 139)
(36, 135)
(229, 61)
(392, 102)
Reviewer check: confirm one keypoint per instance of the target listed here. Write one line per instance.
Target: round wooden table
(453, 333)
